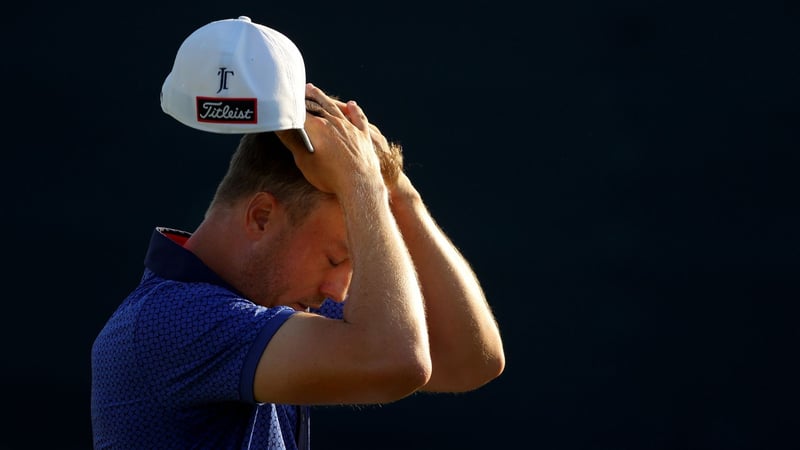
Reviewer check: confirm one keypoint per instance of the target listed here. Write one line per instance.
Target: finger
(326, 103)
(356, 116)
(375, 133)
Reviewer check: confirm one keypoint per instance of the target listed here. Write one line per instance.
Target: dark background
(621, 174)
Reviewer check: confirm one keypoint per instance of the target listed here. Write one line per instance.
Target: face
(301, 265)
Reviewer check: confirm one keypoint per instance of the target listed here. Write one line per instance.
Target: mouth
(307, 304)
(300, 307)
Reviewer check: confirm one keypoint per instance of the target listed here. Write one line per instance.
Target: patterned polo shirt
(173, 368)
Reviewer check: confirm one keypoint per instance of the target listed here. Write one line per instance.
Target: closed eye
(338, 262)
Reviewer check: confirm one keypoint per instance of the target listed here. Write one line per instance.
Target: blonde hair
(262, 163)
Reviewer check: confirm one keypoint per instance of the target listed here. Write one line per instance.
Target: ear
(259, 212)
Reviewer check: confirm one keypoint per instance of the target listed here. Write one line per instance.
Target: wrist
(403, 195)
(363, 191)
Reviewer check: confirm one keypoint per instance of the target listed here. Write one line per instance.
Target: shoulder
(199, 305)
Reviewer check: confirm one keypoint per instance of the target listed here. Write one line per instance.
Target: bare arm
(465, 344)
(380, 351)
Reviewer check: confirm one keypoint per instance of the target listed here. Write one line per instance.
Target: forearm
(466, 347)
(384, 299)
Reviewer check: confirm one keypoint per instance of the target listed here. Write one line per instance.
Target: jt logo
(223, 78)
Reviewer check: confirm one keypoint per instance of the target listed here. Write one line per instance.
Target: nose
(337, 283)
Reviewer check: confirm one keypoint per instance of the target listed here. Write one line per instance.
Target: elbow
(493, 365)
(467, 374)
(411, 373)
(404, 375)
(489, 369)
(412, 376)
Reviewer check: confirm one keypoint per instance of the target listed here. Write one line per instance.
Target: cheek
(304, 269)
(286, 279)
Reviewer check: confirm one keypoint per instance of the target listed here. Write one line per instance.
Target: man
(316, 277)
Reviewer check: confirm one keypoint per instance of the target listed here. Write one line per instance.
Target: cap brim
(306, 140)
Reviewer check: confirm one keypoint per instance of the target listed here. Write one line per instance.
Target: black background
(621, 174)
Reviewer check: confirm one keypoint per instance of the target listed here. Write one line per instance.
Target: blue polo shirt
(173, 367)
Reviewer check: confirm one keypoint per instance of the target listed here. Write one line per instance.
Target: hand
(390, 155)
(343, 149)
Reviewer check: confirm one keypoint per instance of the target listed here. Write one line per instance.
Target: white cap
(236, 76)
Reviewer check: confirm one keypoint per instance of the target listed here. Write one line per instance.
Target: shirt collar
(167, 258)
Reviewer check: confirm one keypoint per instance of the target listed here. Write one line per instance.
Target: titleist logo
(227, 110)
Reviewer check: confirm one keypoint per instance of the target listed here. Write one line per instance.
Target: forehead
(325, 225)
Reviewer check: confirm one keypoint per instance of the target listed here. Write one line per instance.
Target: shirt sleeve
(330, 309)
(203, 342)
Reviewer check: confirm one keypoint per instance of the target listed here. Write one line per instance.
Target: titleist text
(226, 110)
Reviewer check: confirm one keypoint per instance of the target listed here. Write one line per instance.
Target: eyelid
(334, 263)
